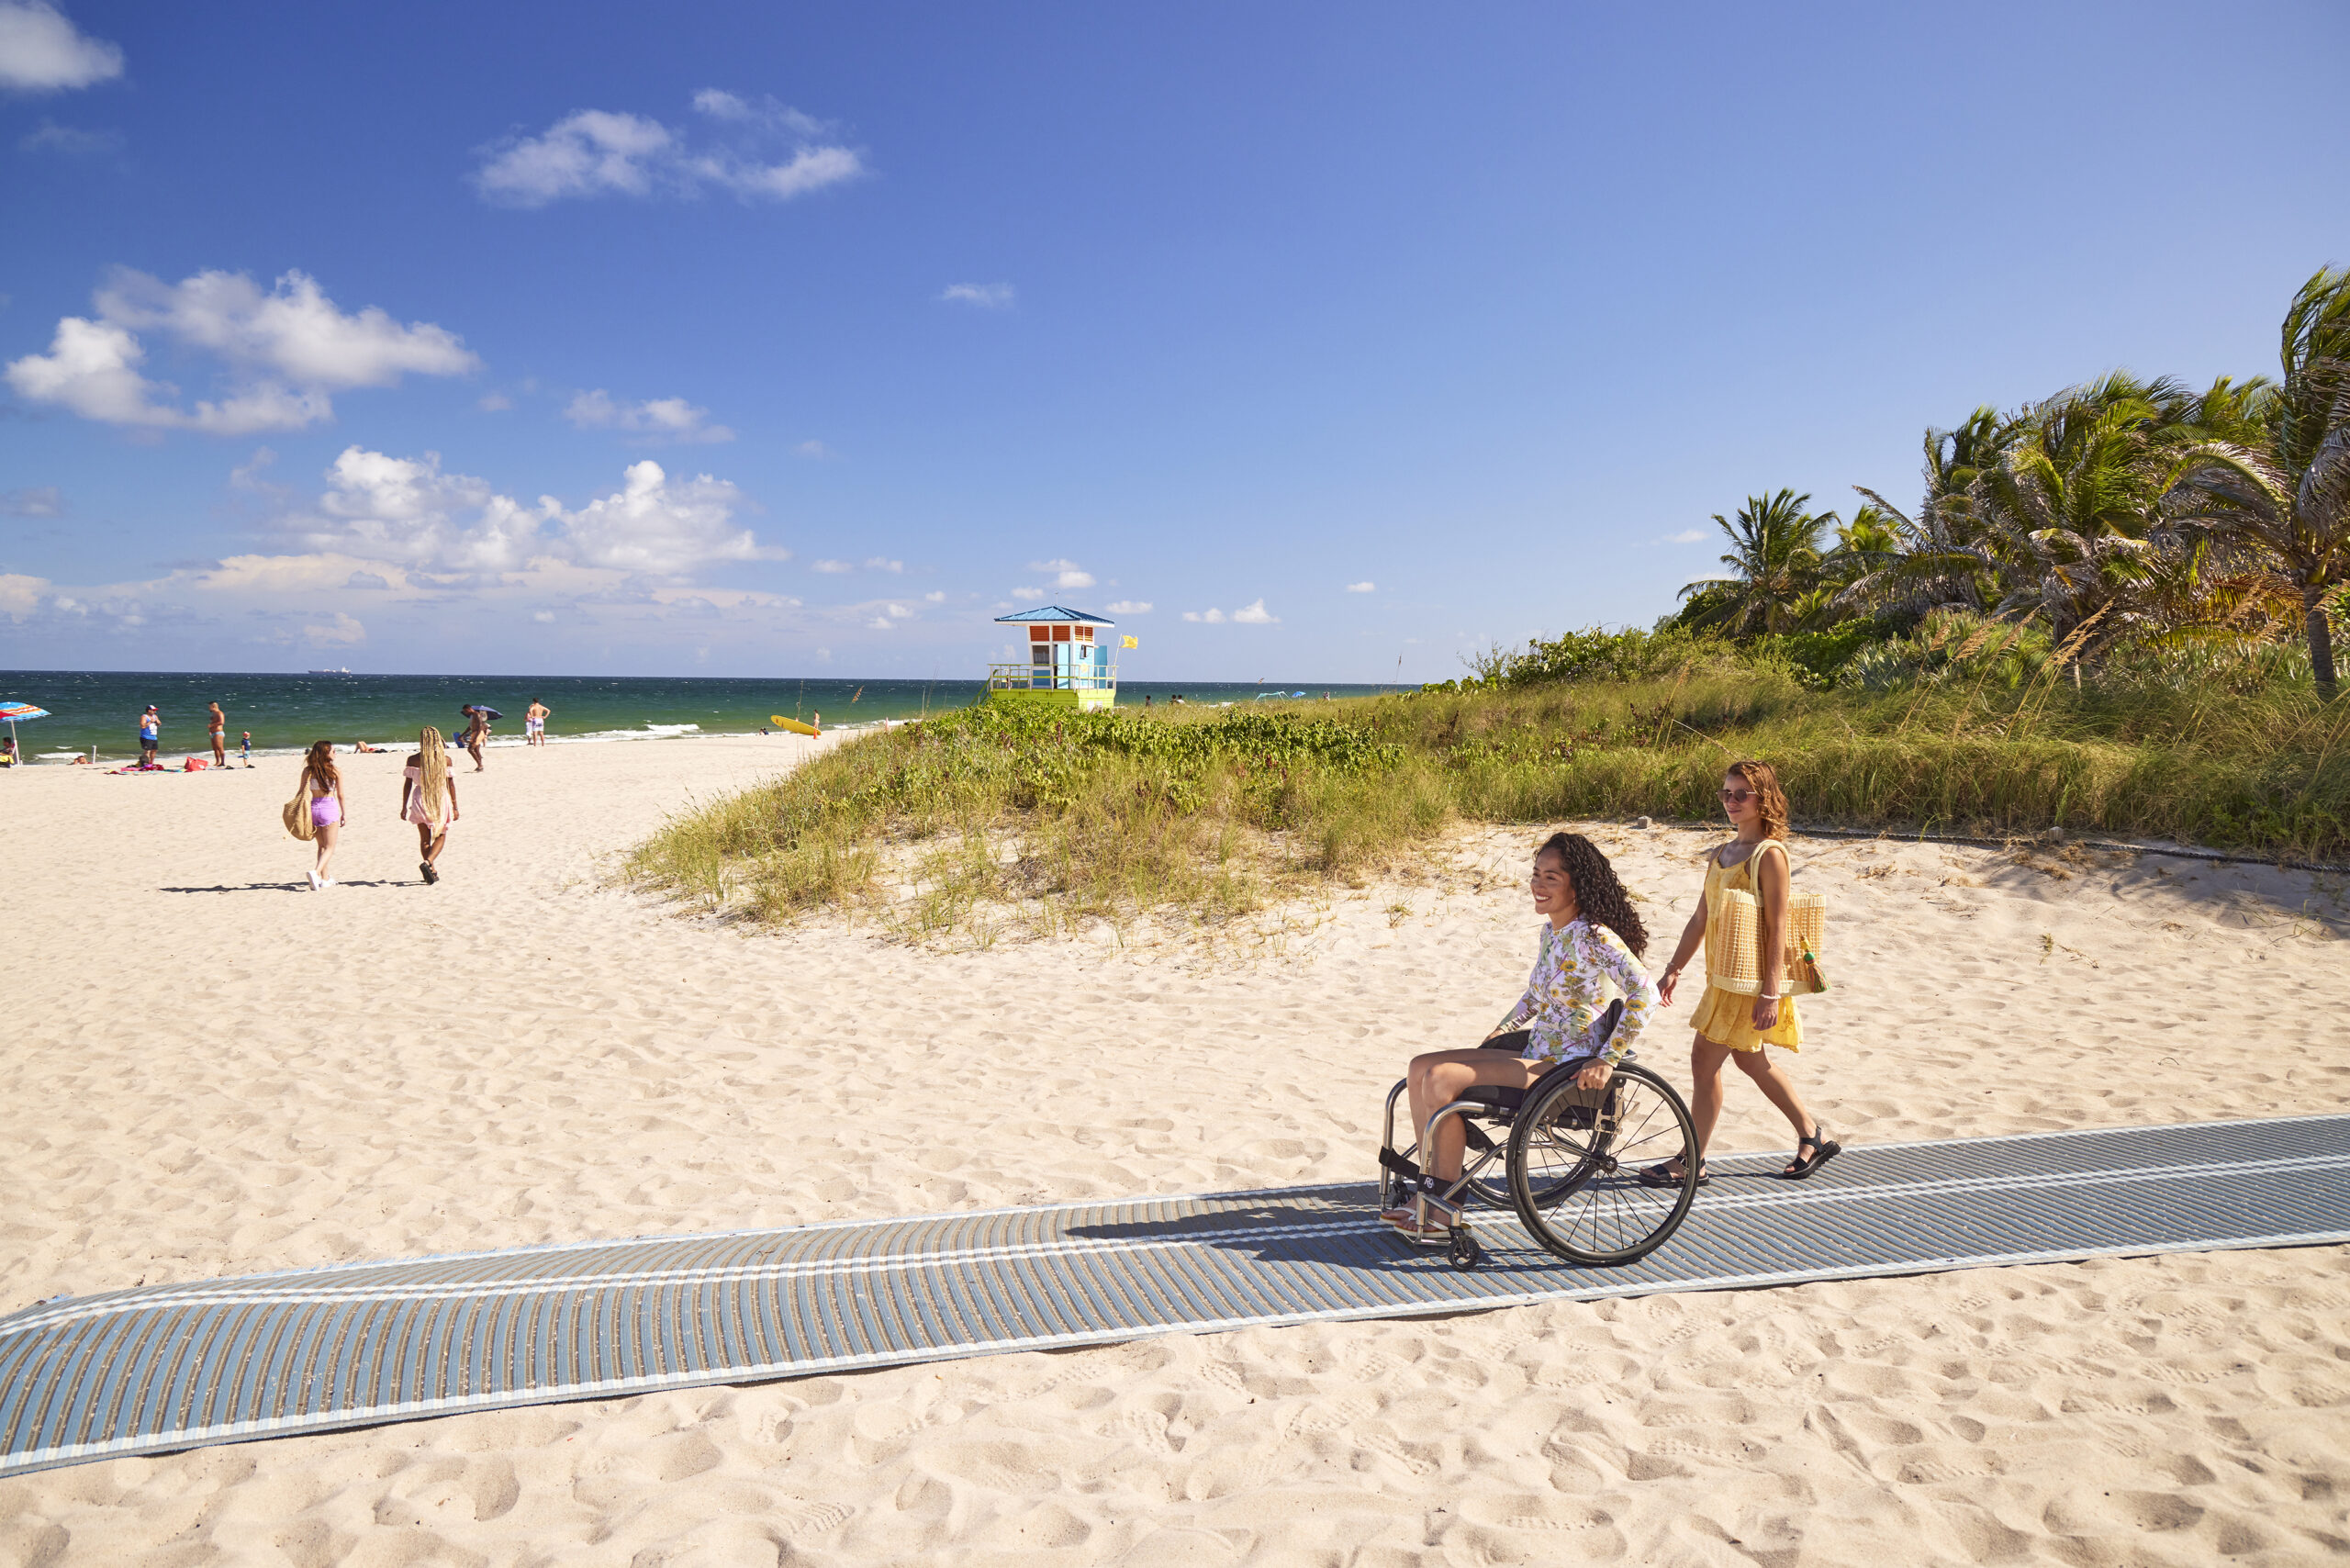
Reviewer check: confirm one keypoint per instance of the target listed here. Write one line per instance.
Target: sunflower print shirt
(1566, 993)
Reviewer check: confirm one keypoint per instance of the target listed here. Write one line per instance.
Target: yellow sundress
(1726, 1017)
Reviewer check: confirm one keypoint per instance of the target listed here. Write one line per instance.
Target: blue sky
(769, 339)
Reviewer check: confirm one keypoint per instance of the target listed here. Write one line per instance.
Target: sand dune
(213, 1073)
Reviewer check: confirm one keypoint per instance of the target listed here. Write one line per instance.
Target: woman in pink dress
(428, 799)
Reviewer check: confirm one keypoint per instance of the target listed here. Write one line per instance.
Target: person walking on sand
(245, 753)
(151, 735)
(534, 722)
(323, 785)
(1730, 1027)
(428, 799)
(476, 733)
(219, 723)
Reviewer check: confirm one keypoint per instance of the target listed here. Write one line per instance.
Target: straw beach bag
(298, 814)
(1732, 959)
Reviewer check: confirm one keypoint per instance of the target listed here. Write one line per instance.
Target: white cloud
(1363, 587)
(812, 449)
(986, 295)
(40, 500)
(494, 403)
(661, 419)
(1130, 607)
(20, 595)
(599, 152)
(1247, 615)
(879, 623)
(897, 612)
(1066, 574)
(543, 617)
(1686, 536)
(286, 350)
(41, 51)
(882, 563)
(834, 566)
(341, 631)
(407, 511)
(366, 582)
(1027, 593)
(936, 596)
(51, 137)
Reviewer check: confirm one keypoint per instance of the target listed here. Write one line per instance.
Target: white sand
(209, 1072)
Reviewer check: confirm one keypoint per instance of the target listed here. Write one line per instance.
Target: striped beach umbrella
(12, 712)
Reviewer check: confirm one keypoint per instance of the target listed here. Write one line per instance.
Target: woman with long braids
(323, 785)
(428, 799)
(1735, 1027)
(1590, 936)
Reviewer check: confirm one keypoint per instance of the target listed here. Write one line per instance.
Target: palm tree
(2293, 500)
(1774, 561)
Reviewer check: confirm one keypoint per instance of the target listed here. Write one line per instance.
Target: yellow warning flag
(1128, 642)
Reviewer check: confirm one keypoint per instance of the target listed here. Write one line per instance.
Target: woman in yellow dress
(1730, 1027)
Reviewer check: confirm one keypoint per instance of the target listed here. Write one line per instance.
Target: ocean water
(287, 713)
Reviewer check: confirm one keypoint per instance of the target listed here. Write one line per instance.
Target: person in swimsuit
(1590, 936)
(151, 735)
(245, 756)
(534, 722)
(1735, 1027)
(219, 723)
(324, 786)
(428, 799)
(476, 733)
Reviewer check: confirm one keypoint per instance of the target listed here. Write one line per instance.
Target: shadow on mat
(1347, 1234)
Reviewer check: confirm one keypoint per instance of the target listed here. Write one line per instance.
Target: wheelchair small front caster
(1463, 1249)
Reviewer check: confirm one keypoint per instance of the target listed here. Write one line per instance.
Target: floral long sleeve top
(1564, 996)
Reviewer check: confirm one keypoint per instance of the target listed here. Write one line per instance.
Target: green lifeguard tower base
(1068, 663)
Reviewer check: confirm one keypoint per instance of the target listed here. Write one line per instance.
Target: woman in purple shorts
(324, 786)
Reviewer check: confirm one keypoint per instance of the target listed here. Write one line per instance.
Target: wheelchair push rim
(1573, 1167)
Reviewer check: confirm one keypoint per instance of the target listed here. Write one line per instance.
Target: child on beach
(1730, 1027)
(324, 786)
(1591, 936)
(245, 754)
(428, 799)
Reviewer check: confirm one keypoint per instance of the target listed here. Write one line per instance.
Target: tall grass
(1110, 815)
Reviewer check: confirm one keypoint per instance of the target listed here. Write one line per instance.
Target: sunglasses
(1737, 797)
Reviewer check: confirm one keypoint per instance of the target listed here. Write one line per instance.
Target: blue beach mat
(165, 1367)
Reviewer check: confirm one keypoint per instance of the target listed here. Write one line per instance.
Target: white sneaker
(325, 882)
(315, 883)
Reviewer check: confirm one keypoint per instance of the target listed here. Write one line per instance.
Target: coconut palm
(2292, 501)
(1773, 563)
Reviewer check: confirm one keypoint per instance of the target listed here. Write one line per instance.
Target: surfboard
(794, 725)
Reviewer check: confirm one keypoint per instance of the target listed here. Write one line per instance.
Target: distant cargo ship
(329, 672)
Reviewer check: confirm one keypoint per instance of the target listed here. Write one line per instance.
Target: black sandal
(1663, 1175)
(1823, 1149)
(430, 876)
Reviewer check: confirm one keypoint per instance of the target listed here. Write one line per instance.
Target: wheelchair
(1568, 1158)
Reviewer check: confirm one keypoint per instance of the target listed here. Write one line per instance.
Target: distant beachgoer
(1146, 702)
(151, 735)
(476, 733)
(246, 755)
(428, 799)
(220, 726)
(816, 722)
(324, 786)
(534, 722)
(363, 746)
(1731, 1026)
(7, 751)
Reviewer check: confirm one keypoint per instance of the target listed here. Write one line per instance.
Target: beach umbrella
(12, 712)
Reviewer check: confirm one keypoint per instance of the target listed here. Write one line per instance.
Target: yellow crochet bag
(1734, 954)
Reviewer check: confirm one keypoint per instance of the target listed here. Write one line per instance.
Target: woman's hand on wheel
(1766, 1013)
(1594, 1075)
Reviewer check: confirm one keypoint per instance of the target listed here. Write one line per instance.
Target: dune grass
(988, 815)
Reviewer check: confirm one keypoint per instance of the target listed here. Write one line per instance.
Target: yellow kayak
(794, 725)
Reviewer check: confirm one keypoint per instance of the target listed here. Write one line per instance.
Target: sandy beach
(211, 1070)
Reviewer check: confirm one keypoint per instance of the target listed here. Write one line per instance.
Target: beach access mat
(169, 1367)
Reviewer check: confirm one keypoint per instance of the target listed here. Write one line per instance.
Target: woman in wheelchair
(1591, 932)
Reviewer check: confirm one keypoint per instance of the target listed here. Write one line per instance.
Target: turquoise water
(286, 712)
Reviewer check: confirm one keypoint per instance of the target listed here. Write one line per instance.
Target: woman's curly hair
(1600, 898)
(1769, 799)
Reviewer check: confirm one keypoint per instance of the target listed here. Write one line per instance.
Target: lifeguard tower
(1068, 663)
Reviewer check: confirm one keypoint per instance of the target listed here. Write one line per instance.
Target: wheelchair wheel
(1572, 1167)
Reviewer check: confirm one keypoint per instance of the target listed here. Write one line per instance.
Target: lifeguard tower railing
(1070, 676)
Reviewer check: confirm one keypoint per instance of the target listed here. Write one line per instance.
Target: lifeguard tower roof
(1051, 613)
